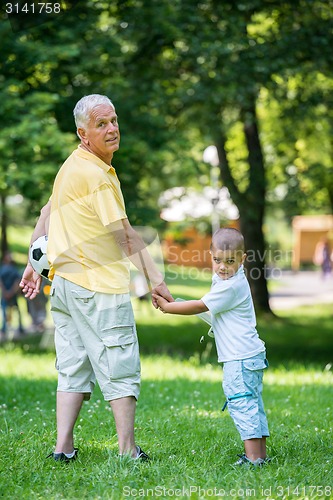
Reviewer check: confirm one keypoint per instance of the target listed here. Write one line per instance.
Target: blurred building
(308, 230)
(191, 207)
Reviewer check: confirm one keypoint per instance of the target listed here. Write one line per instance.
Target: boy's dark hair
(228, 238)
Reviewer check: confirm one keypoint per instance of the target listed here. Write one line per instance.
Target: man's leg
(124, 414)
(68, 409)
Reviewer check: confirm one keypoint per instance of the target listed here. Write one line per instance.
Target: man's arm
(185, 307)
(31, 281)
(43, 222)
(135, 249)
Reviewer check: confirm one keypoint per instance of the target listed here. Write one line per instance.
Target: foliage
(182, 74)
(300, 151)
(178, 73)
(210, 62)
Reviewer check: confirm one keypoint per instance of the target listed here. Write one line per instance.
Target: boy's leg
(255, 448)
(68, 408)
(242, 377)
(263, 448)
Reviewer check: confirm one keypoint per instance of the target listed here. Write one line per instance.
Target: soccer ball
(38, 257)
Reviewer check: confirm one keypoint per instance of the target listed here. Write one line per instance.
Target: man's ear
(82, 133)
(244, 258)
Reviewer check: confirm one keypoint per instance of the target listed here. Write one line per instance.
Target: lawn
(179, 423)
(179, 420)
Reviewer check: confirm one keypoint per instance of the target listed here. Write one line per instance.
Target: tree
(182, 74)
(32, 146)
(207, 62)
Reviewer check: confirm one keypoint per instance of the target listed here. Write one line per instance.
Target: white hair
(84, 107)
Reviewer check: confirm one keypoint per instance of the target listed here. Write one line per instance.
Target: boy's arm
(185, 307)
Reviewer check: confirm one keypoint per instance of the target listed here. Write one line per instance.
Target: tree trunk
(252, 212)
(251, 206)
(255, 264)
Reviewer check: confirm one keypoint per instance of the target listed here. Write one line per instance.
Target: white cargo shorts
(95, 339)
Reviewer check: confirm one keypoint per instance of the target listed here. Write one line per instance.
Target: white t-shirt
(233, 318)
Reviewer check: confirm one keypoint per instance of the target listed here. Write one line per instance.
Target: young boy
(238, 344)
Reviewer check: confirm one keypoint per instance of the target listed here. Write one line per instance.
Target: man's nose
(112, 127)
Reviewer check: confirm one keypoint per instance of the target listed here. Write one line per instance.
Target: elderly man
(90, 246)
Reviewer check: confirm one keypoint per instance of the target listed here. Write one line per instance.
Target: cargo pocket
(82, 295)
(253, 373)
(255, 364)
(122, 350)
(83, 300)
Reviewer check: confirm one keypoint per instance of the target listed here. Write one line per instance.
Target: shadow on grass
(302, 338)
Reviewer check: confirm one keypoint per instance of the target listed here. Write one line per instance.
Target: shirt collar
(83, 153)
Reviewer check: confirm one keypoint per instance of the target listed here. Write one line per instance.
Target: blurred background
(226, 118)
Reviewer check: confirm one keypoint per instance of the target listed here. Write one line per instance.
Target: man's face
(101, 136)
(227, 262)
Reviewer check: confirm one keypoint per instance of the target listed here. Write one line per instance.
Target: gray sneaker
(243, 460)
(61, 457)
(141, 455)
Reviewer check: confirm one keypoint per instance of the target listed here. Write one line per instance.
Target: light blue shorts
(242, 385)
(95, 339)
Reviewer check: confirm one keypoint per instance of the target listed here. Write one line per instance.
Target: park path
(293, 289)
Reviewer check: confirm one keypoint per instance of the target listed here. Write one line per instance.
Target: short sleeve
(219, 300)
(108, 204)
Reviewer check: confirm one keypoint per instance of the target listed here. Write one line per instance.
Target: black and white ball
(38, 256)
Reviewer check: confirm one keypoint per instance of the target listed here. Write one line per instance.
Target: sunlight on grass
(186, 292)
(168, 368)
(299, 376)
(27, 366)
(163, 367)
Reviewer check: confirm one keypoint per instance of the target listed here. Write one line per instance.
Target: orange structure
(308, 230)
(192, 250)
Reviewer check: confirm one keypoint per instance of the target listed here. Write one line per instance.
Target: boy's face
(227, 262)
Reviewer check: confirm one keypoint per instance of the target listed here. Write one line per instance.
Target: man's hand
(30, 282)
(161, 302)
(162, 291)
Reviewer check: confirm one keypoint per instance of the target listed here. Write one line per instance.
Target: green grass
(179, 423)
(179, 420)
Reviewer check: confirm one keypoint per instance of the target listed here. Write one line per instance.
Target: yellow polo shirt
(86, 197)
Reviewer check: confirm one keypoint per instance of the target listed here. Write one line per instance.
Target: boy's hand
(161, 302)
(161, 290)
